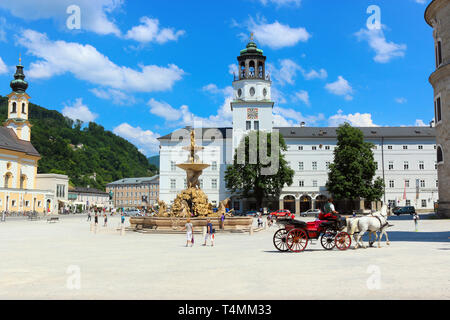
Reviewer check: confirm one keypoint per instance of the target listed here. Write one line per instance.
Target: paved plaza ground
(39, 259)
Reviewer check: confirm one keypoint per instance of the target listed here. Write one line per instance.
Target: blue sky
(144, 68)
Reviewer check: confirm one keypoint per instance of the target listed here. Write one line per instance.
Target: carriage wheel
(327, 240)
(279, 240)
(343, 241)
(297, 240)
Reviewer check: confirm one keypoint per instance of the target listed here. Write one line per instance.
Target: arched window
(251, 68)
(438, 53)
(440, 155)
(8, 180)
(438, 111)
(23, 108)
(14, 107)
(242, 71)
(23, 181)
(260, 70)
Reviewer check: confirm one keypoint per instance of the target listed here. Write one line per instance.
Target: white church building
(405, 156)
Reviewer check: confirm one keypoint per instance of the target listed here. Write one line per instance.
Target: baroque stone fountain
(191, 202)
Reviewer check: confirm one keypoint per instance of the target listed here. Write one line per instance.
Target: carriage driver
(331, 214)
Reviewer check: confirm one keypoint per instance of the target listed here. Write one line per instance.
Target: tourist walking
(189, 232)
(222, 221)
(209, 233)
(269, 221)
(122, 219)
(416, 221)
(89, 216)
(96, 218)
(260, 222)
(105, 216)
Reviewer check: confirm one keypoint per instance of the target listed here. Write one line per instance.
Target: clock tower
(252, 104)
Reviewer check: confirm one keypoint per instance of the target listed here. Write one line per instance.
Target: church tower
(252, 105)
(18, 105)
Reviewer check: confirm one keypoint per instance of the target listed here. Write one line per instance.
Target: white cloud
(145, 140)
(182, 116)
(3, 67)
(149, 31)
(86, 63)
(116, 96)
(164, 110)
(356, 120)
(289, 117)
(94, 14)
(286, 73)
(288, 70)
(276, 35)
(211, 88)
(421, 1)
(280, 3)
(79, 111)
(313, 74)
(340, 87)
(303, 95)
(401, 100)
(277, 95)
(233, 69)
(385, 51)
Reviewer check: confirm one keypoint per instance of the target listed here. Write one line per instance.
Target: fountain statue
(192, 201)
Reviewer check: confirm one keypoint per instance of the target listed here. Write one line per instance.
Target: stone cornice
(440, 73)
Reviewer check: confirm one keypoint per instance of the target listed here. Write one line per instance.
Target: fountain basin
(193, 166)
(170, 224)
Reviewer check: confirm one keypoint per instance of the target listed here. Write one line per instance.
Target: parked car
(282, 213)
(251, 213)
(311, 213)
(132, 213)
(404, 210)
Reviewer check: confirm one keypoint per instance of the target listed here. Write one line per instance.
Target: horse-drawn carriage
(296, 234)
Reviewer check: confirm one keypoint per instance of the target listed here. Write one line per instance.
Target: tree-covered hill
(89, 155)
(154, 161)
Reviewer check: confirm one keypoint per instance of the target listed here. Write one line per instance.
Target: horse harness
(381, 224)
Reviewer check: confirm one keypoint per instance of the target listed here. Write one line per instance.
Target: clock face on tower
(252, 113)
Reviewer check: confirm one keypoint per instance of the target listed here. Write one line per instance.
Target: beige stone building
(134, 193)
(57, 185)
(437, 15)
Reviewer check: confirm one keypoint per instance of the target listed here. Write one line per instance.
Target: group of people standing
(98, 212)
(210, 231)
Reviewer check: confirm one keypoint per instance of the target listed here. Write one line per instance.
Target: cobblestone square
(40, 260)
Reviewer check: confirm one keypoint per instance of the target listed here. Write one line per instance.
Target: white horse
(376, 222)
(350, 224)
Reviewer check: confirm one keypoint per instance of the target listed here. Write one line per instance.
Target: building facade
(18, 157)
(437, 16)
(58, 191)
(134, 193)
(405, 156)
(88, 198)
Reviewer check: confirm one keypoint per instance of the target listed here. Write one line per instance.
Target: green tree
(248, 175)
(351, 175)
